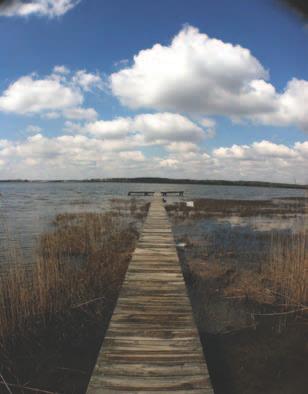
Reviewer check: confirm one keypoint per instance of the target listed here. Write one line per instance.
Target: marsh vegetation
(248, 285)
(245, 264)
(53, 315)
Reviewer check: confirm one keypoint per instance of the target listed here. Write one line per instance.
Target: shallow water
(214, 240)
(242, 241)
(294, 223)
(27, 209)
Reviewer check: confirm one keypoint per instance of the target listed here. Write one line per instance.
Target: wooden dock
(141, 193)
(173, 193)
(151, 193)
(152, 344)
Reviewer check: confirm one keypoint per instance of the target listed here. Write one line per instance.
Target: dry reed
(288, 269)
(82, 260)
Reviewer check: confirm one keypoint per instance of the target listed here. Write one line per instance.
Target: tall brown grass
(82, 260)
(288, 269)
(278, 285)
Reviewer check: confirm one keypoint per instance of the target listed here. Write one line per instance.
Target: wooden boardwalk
(152, 344)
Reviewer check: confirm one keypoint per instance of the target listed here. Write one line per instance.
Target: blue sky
(222, 96)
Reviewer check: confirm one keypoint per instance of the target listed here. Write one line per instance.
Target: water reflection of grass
(136, 208)
(214, 242)
(264, 261)
(204, 208)
(59, 310)
(249, 294)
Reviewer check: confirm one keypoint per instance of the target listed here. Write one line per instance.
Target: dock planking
(152, 344)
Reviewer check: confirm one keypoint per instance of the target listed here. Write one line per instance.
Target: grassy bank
(53, 316)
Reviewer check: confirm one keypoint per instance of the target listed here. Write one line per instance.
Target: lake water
(27, 209)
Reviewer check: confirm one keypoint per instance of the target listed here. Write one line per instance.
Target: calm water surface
(27, 209)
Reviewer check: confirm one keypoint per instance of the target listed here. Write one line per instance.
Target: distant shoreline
(166, 181)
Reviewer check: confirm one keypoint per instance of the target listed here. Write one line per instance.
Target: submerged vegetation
(248, 289)
(53, 316)
(249, 292)
(279, 270)
(204, 208)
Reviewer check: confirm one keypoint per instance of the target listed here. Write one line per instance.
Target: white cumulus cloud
(182, 147)
(167, 127)
(110, 129)
(61, 70)
(49, 8)
(79, 113)
(201, 75)
(53, 95)
(32, 95)
(195, 73)
(210, 126)
(80, 156)
(87, 81)
(132, 155)
(257, 151)
(33, 129)
(157, 128)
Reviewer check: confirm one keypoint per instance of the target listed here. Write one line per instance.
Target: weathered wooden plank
(152, 344)
(124, 369)
(144, 383)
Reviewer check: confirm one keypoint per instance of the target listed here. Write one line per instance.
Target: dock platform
(173, 192)
(152, 344)
(141, 193)
(151, 193)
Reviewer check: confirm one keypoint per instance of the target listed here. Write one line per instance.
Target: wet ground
(236, 232)
(224, 247)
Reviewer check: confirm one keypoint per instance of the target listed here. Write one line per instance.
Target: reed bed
(288, 270)
(274, 271)
(55, 312)
(82, 260)
(281, 280)
(205, 208)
